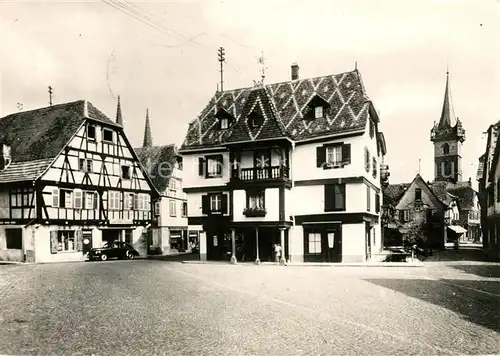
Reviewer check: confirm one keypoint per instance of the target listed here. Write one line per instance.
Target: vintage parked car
(116, 249)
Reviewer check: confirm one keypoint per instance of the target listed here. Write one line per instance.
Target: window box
(254, 212)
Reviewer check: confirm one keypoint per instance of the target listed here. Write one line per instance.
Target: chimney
(5, 157)
(295, 71)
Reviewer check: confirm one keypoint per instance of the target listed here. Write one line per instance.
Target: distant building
(448, 188)
(489, 192)
(69, 181)
(170, 225)
(297, 164)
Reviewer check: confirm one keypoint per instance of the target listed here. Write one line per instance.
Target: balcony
(266, 173)
(254, 212)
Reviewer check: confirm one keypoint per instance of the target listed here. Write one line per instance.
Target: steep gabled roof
(159, 162)
(465, 196)
(283, 107)
(394, 191)
(37, 136)
(418, 180)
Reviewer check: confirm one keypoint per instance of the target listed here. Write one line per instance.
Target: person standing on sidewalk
(277, 253)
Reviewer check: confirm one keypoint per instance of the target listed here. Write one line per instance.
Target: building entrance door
(87, 241)
(332, 240)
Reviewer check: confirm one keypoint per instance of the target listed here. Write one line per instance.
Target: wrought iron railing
(254, 173)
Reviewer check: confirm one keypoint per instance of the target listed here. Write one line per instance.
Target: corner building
(295, 163)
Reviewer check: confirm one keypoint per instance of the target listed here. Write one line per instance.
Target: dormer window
(224, 119)
(316, 108)
(254, 120)
(318, 112)
(224, 123)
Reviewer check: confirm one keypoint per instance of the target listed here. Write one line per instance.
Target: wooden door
(87, 241)
(332, 242)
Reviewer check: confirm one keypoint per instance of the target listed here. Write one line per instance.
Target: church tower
(448, 136)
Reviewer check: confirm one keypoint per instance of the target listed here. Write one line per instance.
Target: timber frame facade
(87, 188)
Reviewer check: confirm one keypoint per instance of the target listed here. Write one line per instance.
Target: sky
(162, 56)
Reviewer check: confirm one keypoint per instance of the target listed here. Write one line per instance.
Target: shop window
(14, 239)
(314, 242)
(66, 241)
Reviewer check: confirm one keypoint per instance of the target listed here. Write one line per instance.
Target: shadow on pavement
(492, 271)
(177, 257)
(479, 308)
(452, 255)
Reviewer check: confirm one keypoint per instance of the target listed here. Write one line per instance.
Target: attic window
(91, 132)
(254, 120)
(318, 112)
(108, 135)
(418, 194)
(224, 123)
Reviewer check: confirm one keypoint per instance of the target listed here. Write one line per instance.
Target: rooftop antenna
(262, 62)
(221, 58)
(50, 95)
(419, 166)
(355, 65)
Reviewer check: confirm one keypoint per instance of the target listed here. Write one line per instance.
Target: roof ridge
(44, 108)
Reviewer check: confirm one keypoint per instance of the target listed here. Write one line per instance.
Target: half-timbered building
(69, 181)
(294, 164)
(169, 231)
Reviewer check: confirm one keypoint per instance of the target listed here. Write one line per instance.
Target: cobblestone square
(156, 307)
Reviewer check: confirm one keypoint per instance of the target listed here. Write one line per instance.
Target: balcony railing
(272, 172)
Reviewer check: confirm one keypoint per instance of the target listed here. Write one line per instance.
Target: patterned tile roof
(159, 162)
(395, 191)
(37, 136)
(465, 196)
(285, 110)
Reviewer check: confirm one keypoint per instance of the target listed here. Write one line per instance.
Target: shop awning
(457, 229)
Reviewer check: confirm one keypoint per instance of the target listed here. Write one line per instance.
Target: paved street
(157, 307)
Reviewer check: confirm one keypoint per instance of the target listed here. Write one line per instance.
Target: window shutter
(401, 215)
(220, 163)
(96, 197)
(136, 201)
(320, 156)
(377, 203)
(341, 190)
(77, 199)
(368, 200)
(346, 154)
(53, 242)
(329, 197)
(205, 204)
(55, 198)
(79, 239)
(367, 160)
(498, 190)
(224, 203)
(201, 166)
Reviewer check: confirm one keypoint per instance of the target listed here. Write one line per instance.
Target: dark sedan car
(117, 249)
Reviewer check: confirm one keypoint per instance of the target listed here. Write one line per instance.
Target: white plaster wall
(194, 204)
(296, 238)
(166, 219)
(191, 178)
(271, 202)
(304, 161)
(203, 246)
(310, 199)
(353, 243)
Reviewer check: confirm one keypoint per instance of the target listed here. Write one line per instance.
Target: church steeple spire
(447, 114)
(148, 139)
(119, 119)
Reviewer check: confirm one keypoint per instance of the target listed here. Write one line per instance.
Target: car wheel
(130, 255)
(104, 257)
